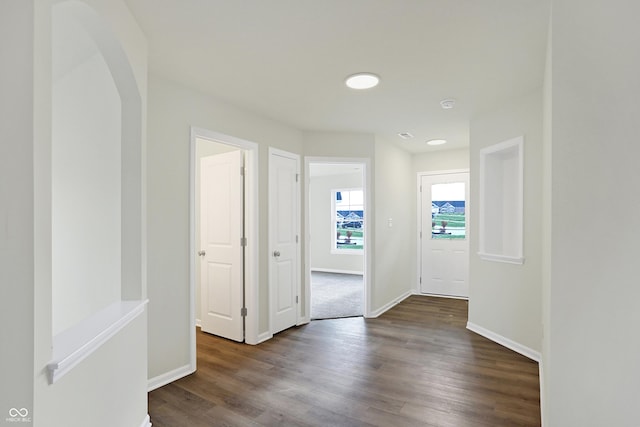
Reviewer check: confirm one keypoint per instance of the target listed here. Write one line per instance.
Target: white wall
(86, 170)
(441, 160)
(505, 299)
(107, 389)
(339, 144)
(592, 375)
(547, 226)
(320, 223)
(17, 249)
(394, 247)
(173, 109)
(118, 368)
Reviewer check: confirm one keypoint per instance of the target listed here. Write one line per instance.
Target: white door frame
(296, 157)
(417, 290)
(251, 233)
(366, 163)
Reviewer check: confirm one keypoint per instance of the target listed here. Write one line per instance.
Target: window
(348, 216)
(448, 211)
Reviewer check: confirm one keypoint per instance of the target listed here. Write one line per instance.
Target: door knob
(276, 253)
(201, 253)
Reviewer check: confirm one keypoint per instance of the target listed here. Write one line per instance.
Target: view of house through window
(448, 211)
(348, 214)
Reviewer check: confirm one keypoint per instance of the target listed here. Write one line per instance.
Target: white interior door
(284, 226)
(444, 238)
(221, 253)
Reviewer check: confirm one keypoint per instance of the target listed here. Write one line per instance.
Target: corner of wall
(506, 299)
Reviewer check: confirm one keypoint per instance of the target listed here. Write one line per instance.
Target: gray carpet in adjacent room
(335, 295)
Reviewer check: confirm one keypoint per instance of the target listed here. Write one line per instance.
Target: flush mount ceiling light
(362, 81)
(447, 104)
(437, 142)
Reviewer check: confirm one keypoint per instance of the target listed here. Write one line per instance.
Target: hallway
(416, 364)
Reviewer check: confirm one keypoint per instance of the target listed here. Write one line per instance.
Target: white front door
(221, 251)
(284, 230)
(444, 234)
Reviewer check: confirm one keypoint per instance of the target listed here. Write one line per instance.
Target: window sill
(72, 346)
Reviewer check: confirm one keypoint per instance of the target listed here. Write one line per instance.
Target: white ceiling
(287, 59)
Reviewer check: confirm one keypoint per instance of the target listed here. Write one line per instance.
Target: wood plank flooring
(416, 365)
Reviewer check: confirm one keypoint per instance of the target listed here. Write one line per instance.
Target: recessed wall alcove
(96, 186)
(501, 202)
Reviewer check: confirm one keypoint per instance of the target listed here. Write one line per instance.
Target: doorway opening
(336, 295)
(337, 226)
(238, 227)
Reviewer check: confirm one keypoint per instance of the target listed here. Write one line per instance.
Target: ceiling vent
(405, 135)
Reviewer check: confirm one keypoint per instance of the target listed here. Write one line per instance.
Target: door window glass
(448, 211)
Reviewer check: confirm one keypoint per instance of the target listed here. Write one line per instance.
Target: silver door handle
(201, 253)
(276, 253)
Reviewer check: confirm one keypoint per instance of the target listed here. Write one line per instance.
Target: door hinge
(242, 170)
(243, 312)
(296, 299)
(421, 234)
(421, 280)
(297, 177)
(243, 241)
(297, 238)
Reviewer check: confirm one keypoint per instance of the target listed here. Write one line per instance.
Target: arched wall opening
(97, 206)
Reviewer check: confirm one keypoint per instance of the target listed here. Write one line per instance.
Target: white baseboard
(332, 270)
(169, 377)
(264, 337)
(505, 342)
(146, 422)
(441, 296)
(390, 305)
(303, 321)
(198, 323)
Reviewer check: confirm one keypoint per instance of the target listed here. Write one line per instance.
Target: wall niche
(97, 216)
(501, 201)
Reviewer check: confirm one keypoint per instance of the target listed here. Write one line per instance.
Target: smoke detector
(447, 104)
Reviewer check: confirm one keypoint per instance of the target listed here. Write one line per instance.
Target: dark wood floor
(416, 365)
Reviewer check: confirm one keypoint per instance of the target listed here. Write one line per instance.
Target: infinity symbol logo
(13, 412)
